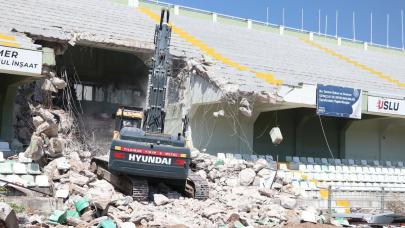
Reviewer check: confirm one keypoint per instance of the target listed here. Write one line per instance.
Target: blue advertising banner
(338, 101)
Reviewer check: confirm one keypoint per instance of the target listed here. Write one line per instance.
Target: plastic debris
(81, 204)
(57, 217)
(108, 223)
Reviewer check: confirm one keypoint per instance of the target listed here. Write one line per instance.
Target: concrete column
(281, 30)
(339, 41)
(299, 131)
(10, 84)
(342, 138)
(133, 3)
(249, 24)
(311, 36)
(176, 10)
(365, 46)
(214, 17)
(48, 56)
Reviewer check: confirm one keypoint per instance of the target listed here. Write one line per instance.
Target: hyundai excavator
(141, 156)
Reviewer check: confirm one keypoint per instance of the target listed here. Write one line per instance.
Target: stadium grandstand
(249, 57)
(239, 79)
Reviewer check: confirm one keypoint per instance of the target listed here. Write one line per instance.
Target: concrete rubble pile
(242, 194)
(46, 129)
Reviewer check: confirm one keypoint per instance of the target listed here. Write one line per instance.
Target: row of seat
(341, 177)
(349, 162)
(246, 157)
(349, 186)
(351, 169)
(350, 177)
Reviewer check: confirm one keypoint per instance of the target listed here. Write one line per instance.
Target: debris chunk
(160, 199)
(8, 216)
(247, 176)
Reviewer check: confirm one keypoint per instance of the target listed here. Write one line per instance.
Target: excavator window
(120, 123)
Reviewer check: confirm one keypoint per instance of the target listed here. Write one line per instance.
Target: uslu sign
(20, 60)
(386, 105)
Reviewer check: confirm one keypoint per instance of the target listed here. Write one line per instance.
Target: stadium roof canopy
(249, 57)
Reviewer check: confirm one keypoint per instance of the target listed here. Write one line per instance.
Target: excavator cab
(127, 117)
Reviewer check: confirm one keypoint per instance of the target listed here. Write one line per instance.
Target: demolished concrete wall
(220, 118)
(103, 81)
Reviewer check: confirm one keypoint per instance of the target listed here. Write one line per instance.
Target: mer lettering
(8, 54)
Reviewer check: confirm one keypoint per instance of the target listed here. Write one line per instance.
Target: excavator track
(137, 186)
(140, 189)
(197, 187)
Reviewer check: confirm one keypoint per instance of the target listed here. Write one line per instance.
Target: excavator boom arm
(158, 78)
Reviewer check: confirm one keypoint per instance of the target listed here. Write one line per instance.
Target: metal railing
(286, 28)
(342, 200)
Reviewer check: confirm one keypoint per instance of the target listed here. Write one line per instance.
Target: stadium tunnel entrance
(102, 81)
(371, 138)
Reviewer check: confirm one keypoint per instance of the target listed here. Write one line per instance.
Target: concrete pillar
(176, 10)
(214, 17)
(133, 3)
(281, 30)
(339, 41)
(365, 46)
(311, 36)
(48, 56)
(249, 24)
(7, 107)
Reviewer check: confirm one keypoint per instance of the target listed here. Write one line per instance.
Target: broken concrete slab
(77, 178)
(42, 127)
(62, 164)
(80, 166)
(246, 176)
(48, 86)
(62, 193)
(56, 146)
(58, 83)
(208, 212)
(87, 216)
(160, 199)
(260, 164)
(128, 225)
(41, 205)
(34, 150)
(308, 216)
(287, 202)
(37, 120)
(75, 222)
(8, 216)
